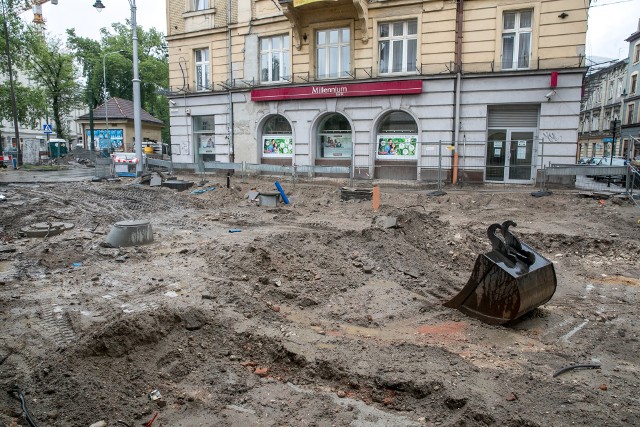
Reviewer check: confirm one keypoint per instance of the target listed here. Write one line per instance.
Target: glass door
(520, 155)
(509, 156)
(496, 155)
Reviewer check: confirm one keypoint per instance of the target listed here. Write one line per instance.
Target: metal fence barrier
(613, 179)
(435, 166)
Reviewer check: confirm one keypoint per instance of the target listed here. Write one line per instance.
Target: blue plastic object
(235, 230)
(281, 191)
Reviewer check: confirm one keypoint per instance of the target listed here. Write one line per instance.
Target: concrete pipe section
(45, 229)
(130, 233)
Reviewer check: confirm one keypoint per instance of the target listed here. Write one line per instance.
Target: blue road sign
(608, 139)
(47, 128)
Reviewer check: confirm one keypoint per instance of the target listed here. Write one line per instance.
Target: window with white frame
(333, 53)
(516, 39)
(633, 86)
(274, 59)
(636, 53)
(200, 4)
(630, 113)
(202, 69)
(397, 46)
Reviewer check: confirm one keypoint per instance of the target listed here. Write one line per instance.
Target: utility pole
(11, 84)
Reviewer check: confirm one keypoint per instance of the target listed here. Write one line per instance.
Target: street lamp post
(106, 96)
(137, 125)
(614, 127)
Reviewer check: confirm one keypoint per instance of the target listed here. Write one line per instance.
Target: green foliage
(17, 30)
(113, 56)
(31, 104)
(55, 72)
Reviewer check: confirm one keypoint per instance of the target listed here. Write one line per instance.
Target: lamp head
(98, 5)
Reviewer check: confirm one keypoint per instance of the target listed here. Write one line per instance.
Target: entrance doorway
(510, 156)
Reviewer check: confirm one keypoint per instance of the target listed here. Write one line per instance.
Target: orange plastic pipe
(454, 178)
(376, 198)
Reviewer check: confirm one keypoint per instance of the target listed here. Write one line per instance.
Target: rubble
(313, 316)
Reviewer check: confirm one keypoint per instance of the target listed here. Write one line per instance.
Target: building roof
(119, 109)
(635, 35)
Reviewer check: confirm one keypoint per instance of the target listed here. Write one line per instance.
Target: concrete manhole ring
(130, 233)
(46, 229)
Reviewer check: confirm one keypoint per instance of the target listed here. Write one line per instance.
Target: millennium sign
(399, 87)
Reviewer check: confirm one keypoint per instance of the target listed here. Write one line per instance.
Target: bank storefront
(396, 130)
(331, 129)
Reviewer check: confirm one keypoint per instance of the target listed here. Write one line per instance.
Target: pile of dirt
(312, 313)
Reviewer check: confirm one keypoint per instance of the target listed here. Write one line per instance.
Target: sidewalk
(11, 176)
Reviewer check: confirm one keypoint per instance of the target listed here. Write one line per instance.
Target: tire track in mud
(58, 325)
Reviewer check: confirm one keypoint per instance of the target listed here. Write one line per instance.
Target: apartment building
(630, 132)
(602, 104)
(378, 86)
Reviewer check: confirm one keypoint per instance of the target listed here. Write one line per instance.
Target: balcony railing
(368, 73)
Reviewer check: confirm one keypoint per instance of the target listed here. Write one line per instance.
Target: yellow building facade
(383, 89)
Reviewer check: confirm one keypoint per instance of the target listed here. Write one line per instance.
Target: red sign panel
(400, 87)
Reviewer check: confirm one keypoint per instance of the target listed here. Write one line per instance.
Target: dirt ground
(310, 315)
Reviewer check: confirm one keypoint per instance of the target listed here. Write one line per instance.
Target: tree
(153, 66)
(31, 104)
(55, 72)
(16, 35)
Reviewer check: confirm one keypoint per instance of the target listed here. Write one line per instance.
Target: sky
(81, 15)
(610, 21)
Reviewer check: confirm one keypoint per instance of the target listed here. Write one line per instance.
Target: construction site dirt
(312, 313)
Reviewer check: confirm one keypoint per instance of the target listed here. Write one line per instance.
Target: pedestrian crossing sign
(47, 128)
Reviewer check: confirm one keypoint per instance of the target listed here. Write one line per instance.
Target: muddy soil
(311, 314)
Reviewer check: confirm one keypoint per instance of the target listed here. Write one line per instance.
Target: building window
(204, 131)
(397, 137)
(516, 39)
(397, 48)
(274, 59)
(333, 53)
(202, 69)
(334, 138)
(611, 85)
(619, 90)
(200, 4)
(634, 84)
(277, 138)
(597, 97)
(636, 53)
(630, 115)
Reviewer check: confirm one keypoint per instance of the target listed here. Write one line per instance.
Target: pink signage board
(400, 87)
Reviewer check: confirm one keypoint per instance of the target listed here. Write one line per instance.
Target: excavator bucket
(507, 282)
